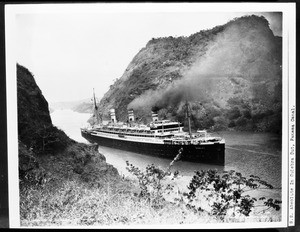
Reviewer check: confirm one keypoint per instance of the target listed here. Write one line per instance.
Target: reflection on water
(249, 153)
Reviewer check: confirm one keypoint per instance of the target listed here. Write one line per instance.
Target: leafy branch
(151, 181)
(226, 193)
(220, 194)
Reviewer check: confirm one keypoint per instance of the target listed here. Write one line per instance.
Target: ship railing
(181, 142)
(194, 141)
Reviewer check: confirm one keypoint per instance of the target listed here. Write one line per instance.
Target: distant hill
(82, 106)
(230, 74)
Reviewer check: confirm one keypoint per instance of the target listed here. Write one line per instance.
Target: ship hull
(203, 153)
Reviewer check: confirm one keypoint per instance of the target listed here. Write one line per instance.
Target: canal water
(248, 153)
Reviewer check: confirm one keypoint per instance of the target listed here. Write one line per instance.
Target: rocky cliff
(45, 152)
(33, 110)
(230, 74)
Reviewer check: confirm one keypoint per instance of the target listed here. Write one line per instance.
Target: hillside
(230, 74)
(47, 153)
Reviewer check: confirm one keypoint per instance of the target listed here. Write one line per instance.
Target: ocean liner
(158, 138)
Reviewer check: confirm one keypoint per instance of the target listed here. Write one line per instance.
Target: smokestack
(154, 116)
(113, 116)
(130, 116)
(188, 115)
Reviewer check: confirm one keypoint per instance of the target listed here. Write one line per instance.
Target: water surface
(246, 152)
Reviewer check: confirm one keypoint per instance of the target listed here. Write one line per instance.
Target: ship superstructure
(159, 138)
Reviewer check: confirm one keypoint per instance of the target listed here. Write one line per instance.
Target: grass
(96, 198)
(74, 203)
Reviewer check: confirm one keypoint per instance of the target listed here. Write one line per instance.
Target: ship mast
(188, 114)
(96, 108)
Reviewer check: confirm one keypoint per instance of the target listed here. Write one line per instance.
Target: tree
(226, 194)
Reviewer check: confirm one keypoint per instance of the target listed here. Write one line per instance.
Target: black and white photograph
(151, 115)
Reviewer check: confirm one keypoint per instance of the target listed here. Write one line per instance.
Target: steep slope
(230, 74)
(33, 110)
(35, 127)
(45, 152)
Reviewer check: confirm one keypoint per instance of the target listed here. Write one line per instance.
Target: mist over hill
(84, 107)
(73, 105)
(231, 76)
(81, 106)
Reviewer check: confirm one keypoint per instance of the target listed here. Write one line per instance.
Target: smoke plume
(239, 50)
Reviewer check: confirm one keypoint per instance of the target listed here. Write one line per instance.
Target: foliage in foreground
(77, 204)
(219, 195)
(226, 193)
(73, 201)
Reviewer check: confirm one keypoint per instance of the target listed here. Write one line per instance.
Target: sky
(71, 53)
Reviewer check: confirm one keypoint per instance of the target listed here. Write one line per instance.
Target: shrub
(220, 123)
(47, 139)
(234, 113)
(218, 195)
(231, 124)
(224, 195)
(30, 170)
(241, 122)
(151, 181)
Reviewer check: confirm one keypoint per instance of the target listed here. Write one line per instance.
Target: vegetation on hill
(35, 129)
(230, 74)
(37, 136)
(48, 158)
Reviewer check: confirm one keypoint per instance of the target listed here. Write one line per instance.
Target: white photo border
(288, 90)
